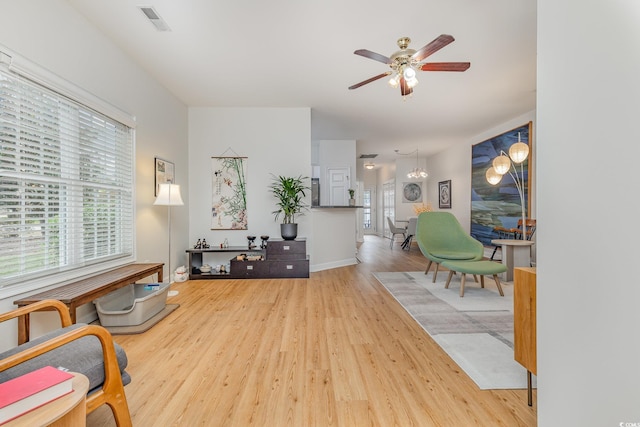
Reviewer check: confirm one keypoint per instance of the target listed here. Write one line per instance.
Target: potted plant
(290, 193)
(352, 200)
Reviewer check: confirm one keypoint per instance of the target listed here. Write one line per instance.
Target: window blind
(66, 183)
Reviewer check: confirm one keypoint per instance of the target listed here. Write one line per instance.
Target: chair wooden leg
(120, 412)
(446, 285)
(462, 284)
(475, 278)
(482, 281)
(428, 267)
(495, 277)
(435, 273)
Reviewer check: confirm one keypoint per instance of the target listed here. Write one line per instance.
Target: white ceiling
(299, 53)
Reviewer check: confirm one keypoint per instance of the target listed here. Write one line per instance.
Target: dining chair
(393, 229)
(411, 232)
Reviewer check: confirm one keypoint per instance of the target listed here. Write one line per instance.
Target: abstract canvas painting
(497, 205)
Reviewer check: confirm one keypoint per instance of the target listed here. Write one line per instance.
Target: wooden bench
(86, 290)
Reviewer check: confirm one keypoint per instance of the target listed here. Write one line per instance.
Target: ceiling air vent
(154, 18)
(368, 156)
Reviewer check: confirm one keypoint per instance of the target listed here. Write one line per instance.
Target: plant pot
(289, 231)
(352, 202)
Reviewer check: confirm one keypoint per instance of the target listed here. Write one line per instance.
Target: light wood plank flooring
(332, 350)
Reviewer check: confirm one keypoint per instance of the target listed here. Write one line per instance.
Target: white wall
(275, 140)
(51, 34)
(588, 296)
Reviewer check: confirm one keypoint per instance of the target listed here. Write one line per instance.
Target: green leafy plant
(290, 193)
(352, 193)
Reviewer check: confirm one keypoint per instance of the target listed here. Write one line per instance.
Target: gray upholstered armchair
(86, 349)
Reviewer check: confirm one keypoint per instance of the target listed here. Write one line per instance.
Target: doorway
(339, 183)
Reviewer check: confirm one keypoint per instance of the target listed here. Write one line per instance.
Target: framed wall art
(165, 173)
(411, 192)
(498, 205)
(229, 193)
(444, 194)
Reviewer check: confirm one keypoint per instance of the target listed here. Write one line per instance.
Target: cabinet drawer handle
(285, 248)
(249, 267)
(289, 267)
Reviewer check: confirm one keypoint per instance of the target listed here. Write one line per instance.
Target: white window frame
(13, 64)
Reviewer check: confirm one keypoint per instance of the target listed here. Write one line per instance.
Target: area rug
(476, 330)
(143, 327)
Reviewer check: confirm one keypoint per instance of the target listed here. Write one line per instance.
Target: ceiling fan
(405, 62)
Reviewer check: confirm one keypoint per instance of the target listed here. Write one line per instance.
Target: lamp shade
(518, 152)
(169, 195)
(492, 176)
(501, 164)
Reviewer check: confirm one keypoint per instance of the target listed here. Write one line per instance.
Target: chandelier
(417, 172)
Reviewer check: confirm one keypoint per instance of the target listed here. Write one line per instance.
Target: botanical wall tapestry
(229, 201)
(497, 205)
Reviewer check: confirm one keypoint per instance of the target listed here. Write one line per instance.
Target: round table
(515, 253)
(67, 411)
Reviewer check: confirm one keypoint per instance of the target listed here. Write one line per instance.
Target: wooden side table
(67, 411)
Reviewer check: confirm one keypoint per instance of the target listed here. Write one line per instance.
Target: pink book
(32, 390)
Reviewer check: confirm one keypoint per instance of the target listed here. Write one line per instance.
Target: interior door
(338, 185)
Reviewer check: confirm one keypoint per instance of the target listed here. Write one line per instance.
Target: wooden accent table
(524, 322)
(86, 290)
(67, 411)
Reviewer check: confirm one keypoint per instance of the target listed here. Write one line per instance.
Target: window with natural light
(66, 183)
(366, 211)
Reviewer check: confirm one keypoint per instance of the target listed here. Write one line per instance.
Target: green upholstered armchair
(440, 237)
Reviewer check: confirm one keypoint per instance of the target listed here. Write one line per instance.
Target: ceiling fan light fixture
(409, 73)
(406, 62)
(369, 166)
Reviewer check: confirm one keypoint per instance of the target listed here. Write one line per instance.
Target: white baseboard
(334, 264)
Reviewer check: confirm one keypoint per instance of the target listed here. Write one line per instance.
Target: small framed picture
(164, 173)
(444, 194)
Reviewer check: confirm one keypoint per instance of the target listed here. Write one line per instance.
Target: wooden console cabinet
(282, 259)
(524, 321)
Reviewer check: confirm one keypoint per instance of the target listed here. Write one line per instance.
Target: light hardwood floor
(332, 350)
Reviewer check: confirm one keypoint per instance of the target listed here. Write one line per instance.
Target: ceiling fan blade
(372, 79)
(440, 42)
(445, 66)
(372, 55)
(404, 87)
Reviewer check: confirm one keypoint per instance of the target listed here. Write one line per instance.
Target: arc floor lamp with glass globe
(169, 195)
(503, 164)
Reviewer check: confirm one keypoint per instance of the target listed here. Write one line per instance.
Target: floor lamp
(503, 164)
(169, 195)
